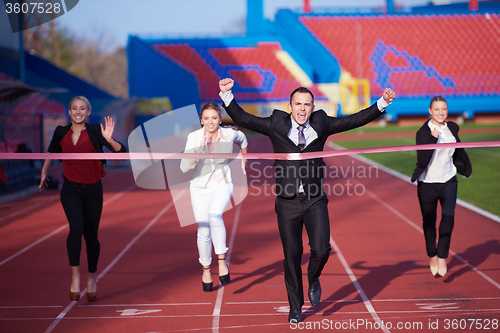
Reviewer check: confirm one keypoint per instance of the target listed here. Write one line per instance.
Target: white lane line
(443, 311)
(432, 313)
(226, 327)
(360, 290)
(152, 304)
(20, 211)
(220, 291)
(113, 198)
(285, 302)
(475, 269)
(486, 152)
(478, 210)
(460, 299)
(119, 195)
(132, 242)
(378, 300)
(118, 257)
(436, 299)
(33, 244)
(416, 227)
(419, 229)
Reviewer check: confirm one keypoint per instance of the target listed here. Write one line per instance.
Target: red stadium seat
(454, 45)
(247, 65)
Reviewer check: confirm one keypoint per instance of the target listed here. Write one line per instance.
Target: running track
(149, 276)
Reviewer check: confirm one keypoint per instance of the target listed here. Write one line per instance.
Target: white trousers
(208, 205)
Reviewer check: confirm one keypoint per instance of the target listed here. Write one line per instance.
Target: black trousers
(292, 215)
(82, 205)
(428, 195)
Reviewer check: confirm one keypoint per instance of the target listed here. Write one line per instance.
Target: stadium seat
(395, 48)
(259, 75)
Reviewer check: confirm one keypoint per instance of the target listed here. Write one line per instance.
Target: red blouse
(81, 171)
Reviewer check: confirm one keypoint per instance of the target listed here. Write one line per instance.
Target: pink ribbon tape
(250, 156)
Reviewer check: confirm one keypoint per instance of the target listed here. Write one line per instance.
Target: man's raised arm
(237, 114)
(363, 117)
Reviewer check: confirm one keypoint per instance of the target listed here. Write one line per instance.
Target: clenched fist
(389, 95)
(226, 84)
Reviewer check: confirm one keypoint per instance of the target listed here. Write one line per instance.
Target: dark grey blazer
(460, 157)
(276, 127)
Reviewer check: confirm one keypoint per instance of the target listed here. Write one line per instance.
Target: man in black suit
(299, 184)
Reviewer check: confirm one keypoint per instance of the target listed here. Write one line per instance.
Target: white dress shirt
(309, 133)
(293, 134)
(441, 167)
(206, 170)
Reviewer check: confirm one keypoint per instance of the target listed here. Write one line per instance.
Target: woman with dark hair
(211, 187)
(81, 192)
(436, 174)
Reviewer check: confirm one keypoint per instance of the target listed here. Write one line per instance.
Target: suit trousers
(82, 204)
(428, 196)
(208, 205)
(292, 215)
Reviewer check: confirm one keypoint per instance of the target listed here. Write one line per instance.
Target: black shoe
(314, 293)
(207, 286)
(295, 316)
(225, 279)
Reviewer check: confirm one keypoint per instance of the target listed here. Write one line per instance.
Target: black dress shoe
(314, 293)
(207, 286)
(225, 279)
(295, 316)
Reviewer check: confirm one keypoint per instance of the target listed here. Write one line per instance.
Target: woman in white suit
(211, 187)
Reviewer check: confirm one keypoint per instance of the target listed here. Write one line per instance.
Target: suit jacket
(276, 127)
(460, 157)
(95, 135)
(204, 168)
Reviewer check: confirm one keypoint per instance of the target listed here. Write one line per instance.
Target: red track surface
(150, 279)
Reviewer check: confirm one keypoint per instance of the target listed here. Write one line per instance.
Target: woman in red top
(81, 193)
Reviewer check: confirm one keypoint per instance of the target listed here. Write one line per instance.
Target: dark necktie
(302, 138)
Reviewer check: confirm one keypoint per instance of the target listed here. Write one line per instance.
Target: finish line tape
(251, 156)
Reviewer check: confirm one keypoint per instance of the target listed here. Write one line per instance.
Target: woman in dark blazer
(81, 193)
(436, 174)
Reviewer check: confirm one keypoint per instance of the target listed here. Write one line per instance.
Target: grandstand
(345, 56)
(420, 56)
(259, 74)
(433, 50)
(34, 95)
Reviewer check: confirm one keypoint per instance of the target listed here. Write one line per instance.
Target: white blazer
(204, 168)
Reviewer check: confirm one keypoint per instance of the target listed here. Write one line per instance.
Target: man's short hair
(303, 90)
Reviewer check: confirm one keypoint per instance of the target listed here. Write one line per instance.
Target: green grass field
(482, 189)
(396, 128)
